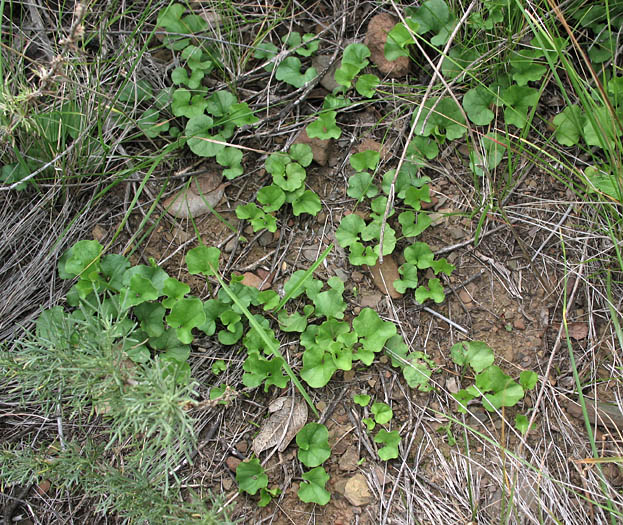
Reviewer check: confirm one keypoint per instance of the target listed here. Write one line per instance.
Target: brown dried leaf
(578, 330)
(283, 417)
(384, 274)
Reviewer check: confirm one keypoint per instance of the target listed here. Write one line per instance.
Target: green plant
(496, 389)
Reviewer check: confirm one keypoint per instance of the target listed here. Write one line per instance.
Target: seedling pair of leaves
(355, 59)
(492, 385)
(381, 415)
(289, 175)
(314, 449)
(289, 69)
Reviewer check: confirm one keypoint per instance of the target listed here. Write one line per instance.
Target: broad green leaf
(219, 103)
(330, 303)
(528, 379)
(292, 178)
(290, 72)
(517, 100)
(399, 38)
(458, 60)
(569, 124)
(231, 159)
(301, 153)
(312, 489)
(360, 185)
(258, 370)
(362, 399)
(505, 391)
(271, 197)
(366, 85)
(408, 279)
(203, 260)
(477, 102)
(360, 255)
(419, 254)
(397, 350)
(373, 332)
(441, 118)
(113, 268)
(391, 441)
(82, 259)
(308, 203)
(409, 227)
(418, 371)
(179, 76)
(521, 423)
(185, 315)
(318, 367)
(313, 443)
(251, 477)
(356, 54)
(365, 160)
(151, 316)
(152, 124)
(443, 266)
(296, 322)
(382, 413)
(434, 292)
(524, 69)
(199, 138)
(435, 16)
(345, 74)
(476, 354)
(350, 229)
(324, 127)
(415, 196)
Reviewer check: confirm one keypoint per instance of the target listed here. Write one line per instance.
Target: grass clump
(77, 371)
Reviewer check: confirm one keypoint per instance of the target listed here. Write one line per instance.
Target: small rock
(321, 217)
(342, 274)
(384, 274)
(320, 62)
(321, 405)
(519, 323)
(356, 491)
(265, 239)
(320, 147)
(232, 463)
(356, 276)
(43, 487)
(349, 459)
(250, 279)
(452, 385)
(231, 244)
(227, 483)
(370, 300)
(310, 253)
(348, 375)
(242, 447)
(456, 232)
(464, 296)
(98, 233)
(376, 37)
(198, 199)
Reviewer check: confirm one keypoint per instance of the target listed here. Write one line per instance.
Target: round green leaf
(313, 443)
(203, 259)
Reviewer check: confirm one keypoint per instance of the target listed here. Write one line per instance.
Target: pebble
(232, 463)
(265, 239)
(356, 276)
(519, 323)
